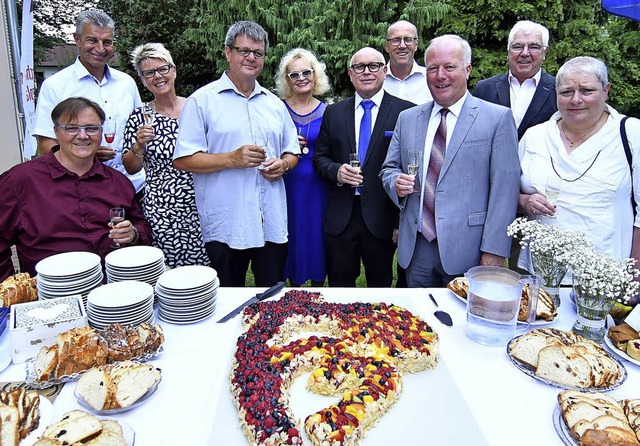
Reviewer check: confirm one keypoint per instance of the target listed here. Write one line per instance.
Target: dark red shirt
(45, 209)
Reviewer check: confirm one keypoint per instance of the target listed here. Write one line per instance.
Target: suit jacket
(477, 191)
(336, 141)
(543, 105)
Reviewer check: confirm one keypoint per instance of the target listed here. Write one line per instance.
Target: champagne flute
(110, 133)
(261, 139)
(116, 215)
(149, 114)
(354, 161)
(413, 166)
(552, 190)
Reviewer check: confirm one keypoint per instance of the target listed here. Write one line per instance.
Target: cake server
(257, 298)
(442, 316)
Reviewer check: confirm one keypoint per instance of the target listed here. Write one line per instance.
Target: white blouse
(595, 181)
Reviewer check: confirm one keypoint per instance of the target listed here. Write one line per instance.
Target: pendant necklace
(582, 136)
(304, 149)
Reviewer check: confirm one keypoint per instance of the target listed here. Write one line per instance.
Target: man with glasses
(469, 177)
(526, 89)
(360, 218)
(60, 202)
(405, 78)
(90, 76)
(239, 141)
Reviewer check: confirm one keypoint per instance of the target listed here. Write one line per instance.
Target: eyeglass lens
(407, 40)
(164, 69)
(373, 67)
(75, 129)
(533, 47)
(295, 75)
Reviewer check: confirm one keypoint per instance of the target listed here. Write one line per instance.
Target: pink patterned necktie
(428, 227)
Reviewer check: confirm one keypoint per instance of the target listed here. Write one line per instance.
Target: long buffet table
(474, 397)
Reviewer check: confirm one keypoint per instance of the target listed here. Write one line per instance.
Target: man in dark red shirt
(60, 202)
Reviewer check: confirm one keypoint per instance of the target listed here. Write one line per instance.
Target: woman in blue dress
(300, 79)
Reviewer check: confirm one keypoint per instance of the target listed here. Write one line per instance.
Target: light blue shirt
(237, 207)
(117, 94)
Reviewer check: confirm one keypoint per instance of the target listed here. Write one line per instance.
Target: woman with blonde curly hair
(300, 79)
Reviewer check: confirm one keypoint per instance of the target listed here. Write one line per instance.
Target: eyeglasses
(244, 52)
(304, 74)
(162, 70)
(373, 67)
(91, 130)
(534, 48)
(407, 40)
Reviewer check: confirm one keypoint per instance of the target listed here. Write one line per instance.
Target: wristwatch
(286, 169)
(136, 235)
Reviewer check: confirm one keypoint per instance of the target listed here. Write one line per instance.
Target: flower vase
(552, 272)
(592, 310)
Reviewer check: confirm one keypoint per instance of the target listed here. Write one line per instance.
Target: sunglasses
(304, 74)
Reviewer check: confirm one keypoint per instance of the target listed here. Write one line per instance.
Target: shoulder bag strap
(627, 152)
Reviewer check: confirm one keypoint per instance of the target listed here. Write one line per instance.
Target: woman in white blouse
(574, 169)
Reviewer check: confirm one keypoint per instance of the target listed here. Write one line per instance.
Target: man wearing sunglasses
(90, 77)
(360, 217)
(405, 78)
(239, 141)
(60, 202)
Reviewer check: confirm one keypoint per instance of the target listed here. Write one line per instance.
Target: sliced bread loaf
(95, 388)
(563, 365)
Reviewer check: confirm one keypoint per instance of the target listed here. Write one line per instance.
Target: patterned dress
(306, 203)
(169, 203)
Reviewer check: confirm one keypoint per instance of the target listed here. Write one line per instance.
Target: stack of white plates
(141, 263)
(67, 274)
(187, 294)
(128, 303)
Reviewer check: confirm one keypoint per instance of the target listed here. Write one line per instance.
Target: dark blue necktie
(365, 130)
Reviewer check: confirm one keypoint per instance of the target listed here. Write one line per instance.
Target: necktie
(428, 228)
(365, 130)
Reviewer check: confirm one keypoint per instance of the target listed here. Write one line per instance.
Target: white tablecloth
(474, 397)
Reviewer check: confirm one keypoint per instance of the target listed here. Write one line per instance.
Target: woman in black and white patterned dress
(169, 202)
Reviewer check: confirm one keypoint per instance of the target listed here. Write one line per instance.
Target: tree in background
(162, 21)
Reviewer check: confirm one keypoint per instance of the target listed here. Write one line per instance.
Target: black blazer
(335, 142)
(543, 105)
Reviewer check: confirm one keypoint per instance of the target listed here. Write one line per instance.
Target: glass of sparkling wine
(413, 166)
(354, 161)
(149, 114)
(110, 133)
(552, 190)
(261, 139)
(116, 215)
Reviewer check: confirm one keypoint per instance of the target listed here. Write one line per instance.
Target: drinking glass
(109, 132)
(149, 114)
(354, 161)
(261, 139)
(413, 166)
(116, 215)
(552, 189)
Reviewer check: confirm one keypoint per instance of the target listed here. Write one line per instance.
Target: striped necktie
(428, 227)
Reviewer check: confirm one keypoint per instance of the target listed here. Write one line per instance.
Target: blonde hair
(321, 84)
(150, 51)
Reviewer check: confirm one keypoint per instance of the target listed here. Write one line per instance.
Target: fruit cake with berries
(361, 357)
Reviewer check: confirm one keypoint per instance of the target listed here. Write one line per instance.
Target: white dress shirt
(412, 88)
(521, 95)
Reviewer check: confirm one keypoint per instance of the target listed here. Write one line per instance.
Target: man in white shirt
(526, 89)
(238, 140)
(90, 77)
(405, 79)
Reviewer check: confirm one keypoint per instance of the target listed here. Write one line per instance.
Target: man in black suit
(359, 221)
(526, 89)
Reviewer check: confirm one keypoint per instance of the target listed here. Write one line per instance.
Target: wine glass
(149, 114)
(354, 161)
(413, 166)
(110, 132)
(552, 190)
(116, 215)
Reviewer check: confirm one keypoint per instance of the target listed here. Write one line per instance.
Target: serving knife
(442, 316)
(257, 298)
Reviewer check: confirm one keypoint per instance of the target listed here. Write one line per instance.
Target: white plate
(134, 257)
(46, 414)
(528, 370)
(120, 294)
(142, 399)
(68, 263)
(612, 347)
(187, 277)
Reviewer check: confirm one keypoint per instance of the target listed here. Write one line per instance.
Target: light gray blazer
(478, 187)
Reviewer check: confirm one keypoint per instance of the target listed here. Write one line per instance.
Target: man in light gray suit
(468, 178)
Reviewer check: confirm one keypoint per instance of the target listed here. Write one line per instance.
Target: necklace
(582, 136)
(581, 175)
(170, 114)
(304, 149)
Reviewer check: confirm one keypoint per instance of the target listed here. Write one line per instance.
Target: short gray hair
(93, 17)
(583, 64)
(150, 51)
(466, 48)
(528, 25)
(321, 84)
(249, 29)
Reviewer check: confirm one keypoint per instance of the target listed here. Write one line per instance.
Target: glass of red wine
(110, 132)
